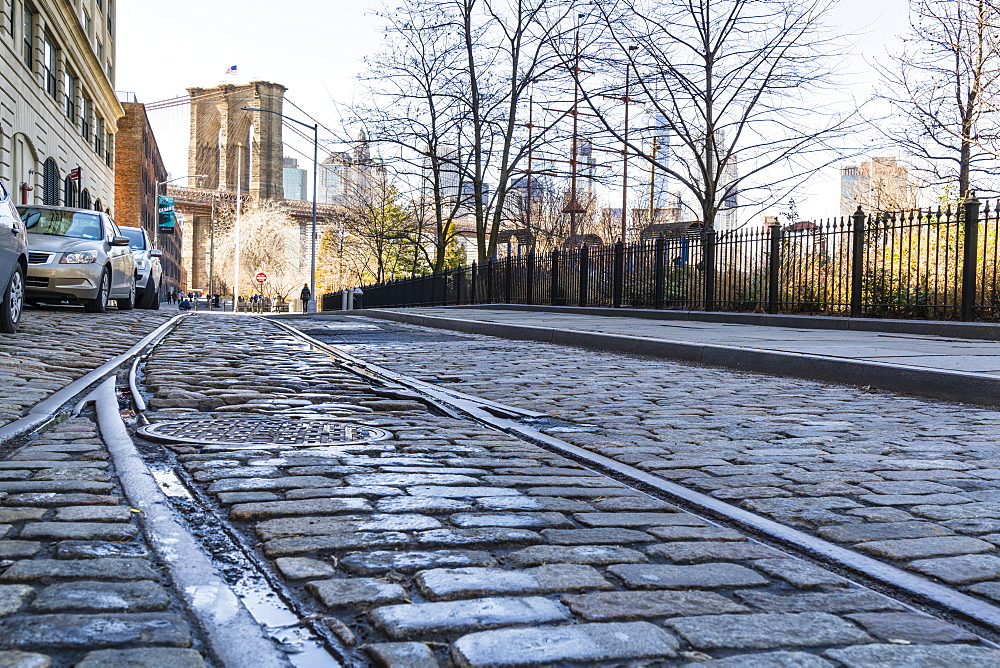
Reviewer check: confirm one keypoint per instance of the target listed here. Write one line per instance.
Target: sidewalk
(941, 367)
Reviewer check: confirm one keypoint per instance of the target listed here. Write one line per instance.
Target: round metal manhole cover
(262, 432)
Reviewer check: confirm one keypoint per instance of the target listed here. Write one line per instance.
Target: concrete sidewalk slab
(940, 367)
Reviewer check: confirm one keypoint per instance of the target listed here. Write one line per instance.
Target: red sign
(261, 277)
(74, 174)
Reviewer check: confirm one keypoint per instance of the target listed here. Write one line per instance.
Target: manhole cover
(262, 432)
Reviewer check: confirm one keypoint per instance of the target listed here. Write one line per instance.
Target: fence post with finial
(773, 266)
(969, 255)
(618, 275)
(857, 260)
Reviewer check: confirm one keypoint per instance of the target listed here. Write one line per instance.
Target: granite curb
(932, 383)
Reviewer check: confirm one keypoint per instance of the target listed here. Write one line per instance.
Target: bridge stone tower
(218, 124)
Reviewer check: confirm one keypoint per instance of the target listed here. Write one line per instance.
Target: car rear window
(136, 239)
(73, 224)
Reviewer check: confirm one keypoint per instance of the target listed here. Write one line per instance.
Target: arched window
(85, 199)
(50, 183)
(97, 205)
(69, 192)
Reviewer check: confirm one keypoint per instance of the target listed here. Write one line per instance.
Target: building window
(12, 14)
(50, 183)
(97, 205)
(100, 5)
(85, 199)
(109, 149)
(49, 65)
(99, 48)
(99, 136)
(86, 111)
(69, 192)
(111, 12)
(69, 90)
(28, 33)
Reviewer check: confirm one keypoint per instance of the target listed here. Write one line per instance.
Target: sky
(316, 49)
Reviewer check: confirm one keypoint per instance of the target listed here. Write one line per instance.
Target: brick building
(138, 168)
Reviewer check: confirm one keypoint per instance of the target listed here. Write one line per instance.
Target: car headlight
(79, 257)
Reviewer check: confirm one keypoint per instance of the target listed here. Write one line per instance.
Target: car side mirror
(120, 241)
(156, 252)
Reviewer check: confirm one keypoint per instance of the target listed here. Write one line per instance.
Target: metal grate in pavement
(251, 432)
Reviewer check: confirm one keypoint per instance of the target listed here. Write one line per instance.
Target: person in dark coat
(305, 295)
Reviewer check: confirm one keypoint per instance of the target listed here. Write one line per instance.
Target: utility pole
(573, 208)
(239, 198)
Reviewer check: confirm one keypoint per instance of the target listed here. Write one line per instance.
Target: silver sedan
(80, 255)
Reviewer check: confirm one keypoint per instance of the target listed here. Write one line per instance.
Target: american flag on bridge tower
(231, 70)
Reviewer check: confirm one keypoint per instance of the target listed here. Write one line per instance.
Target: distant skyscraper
(448, 178)
(344, 175)
(659, 180)
(726, 218)
(334, 179)
(587, 168)
(296, 180)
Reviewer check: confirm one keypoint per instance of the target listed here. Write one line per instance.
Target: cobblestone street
(57, 346)
(396, 535)
(910, 481)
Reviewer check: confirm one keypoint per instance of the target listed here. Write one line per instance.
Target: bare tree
(270, 241)
(381, 243)
(720, 78)
(945, 87)
(416, 107)
(462, 71)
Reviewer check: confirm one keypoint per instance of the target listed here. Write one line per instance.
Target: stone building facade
(223, 133)
(138, 169)
(58, 110)
(879, 184)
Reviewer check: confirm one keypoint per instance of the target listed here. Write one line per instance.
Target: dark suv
(13, 264)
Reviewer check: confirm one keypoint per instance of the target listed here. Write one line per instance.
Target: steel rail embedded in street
(915, 588)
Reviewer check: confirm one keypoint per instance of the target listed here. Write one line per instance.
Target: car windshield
(73, 224)
(136, 239)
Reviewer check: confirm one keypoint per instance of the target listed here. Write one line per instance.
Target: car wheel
(127, 303)
(99, 304)
(149, 298)
(154, 298)
(12, 304)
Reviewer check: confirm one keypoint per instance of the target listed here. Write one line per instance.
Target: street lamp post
(156, 197)
(311, 307)
(156, 202)
(236, 232)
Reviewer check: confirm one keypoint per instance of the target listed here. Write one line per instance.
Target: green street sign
(167, 220)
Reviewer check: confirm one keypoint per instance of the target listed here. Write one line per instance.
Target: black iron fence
(934, 264)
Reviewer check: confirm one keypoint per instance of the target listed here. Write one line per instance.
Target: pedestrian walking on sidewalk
(305, 295)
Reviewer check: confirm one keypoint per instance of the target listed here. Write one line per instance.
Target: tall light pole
(236, 232)
(156, 202)
(311, 307)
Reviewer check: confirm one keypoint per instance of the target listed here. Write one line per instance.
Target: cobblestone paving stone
(911, 481)
(78, 586)
(55, 347)
(454, 545)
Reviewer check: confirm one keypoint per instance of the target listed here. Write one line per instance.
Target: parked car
(13, 264)
(79, 255)
(147, 263)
